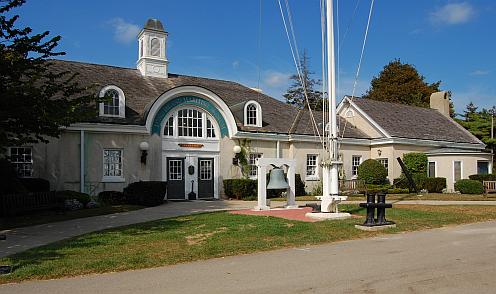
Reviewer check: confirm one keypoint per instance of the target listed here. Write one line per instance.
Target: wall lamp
(236, 150)
(379, 152)
(144, 151)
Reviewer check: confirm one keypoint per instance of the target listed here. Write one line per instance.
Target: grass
(429, 196)
(43, 217)
(211, 235)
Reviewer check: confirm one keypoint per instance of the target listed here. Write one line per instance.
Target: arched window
(115, 106)
(192, 123)
(253, 114)
(155, 47)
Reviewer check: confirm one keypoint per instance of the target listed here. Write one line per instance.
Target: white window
(22, 159)
(385, 163)
(190, 123)
(253, 114)
(457, 170)
(252, 161)
(431, 170)
(112, 165)
(115, 107)
(355, 162)
(312, 166)
(175, 170)
(155, 47)
(205, 170)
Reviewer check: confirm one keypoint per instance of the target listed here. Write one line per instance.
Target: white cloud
(124, 32)
(453, 13)
(480, 72)
(276, 79)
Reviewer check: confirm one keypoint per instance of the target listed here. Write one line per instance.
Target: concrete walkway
(24, 238)
(21, 239)
(458, 259)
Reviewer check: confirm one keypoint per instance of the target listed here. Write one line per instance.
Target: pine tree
(401, 83)
(470, 111)
(35, 101)
(295, 95)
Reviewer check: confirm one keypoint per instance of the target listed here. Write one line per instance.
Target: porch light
(144, 151)
(236, 150)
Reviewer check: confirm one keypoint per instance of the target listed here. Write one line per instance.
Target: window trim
(253, 165)
(488, 166)
(259, 117)
(122, 101)
(13, 163)
(461, 170)
(435, 169)
(314, 177)
(175, 130)
(113, 179)
(359, 156)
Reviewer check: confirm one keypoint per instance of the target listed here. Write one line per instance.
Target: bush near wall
(246, 189)
(481, 178)
(69, 195)
(469, 187)
(434, 185)
(416, 162)
(35, 184)
(147, 193)
(372, 172)
(112, 198)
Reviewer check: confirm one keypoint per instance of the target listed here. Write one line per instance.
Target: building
(182, 129)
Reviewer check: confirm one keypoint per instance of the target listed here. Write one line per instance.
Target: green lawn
(50, 216)
(210, 235)
(429, 196)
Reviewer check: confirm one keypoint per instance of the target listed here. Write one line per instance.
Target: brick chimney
(441, 102)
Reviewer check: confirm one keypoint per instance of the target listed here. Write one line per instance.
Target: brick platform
(292, 214)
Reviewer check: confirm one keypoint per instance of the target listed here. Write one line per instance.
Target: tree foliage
(479, 123)
(372, 172)
(35, 100)
(416, 162)
(401, 83)
(295, 95)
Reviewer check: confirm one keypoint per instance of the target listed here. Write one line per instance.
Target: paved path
(21, 239)
(458, 259)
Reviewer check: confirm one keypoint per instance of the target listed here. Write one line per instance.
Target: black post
(381, 209)
(408, 175)
(370, 209)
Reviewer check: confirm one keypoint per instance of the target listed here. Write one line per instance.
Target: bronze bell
(277, 179)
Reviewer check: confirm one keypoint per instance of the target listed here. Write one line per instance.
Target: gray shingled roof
(406, 121)
(141, 91)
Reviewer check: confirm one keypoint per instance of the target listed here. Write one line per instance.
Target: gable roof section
(404, 121)
(142, 91)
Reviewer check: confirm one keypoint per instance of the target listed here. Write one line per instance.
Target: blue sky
(451, 41)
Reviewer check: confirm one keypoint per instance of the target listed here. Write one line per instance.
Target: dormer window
(115, 107)
(155, 47)
(253, 114)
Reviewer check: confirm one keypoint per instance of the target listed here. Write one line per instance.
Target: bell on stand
(277, 179)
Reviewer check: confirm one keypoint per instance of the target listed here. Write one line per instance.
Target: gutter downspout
(81, 161)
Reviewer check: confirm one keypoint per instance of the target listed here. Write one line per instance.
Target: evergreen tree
(401, 83)
(470, 111)
(479, 124)
(295, 95)
(35, 101)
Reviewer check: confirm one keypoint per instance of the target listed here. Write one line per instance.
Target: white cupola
(152, 58)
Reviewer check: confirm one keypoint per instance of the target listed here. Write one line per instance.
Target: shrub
(481, 178)
(317, 189)
(398, 191)
(240, 188)
(70, 195)
(36, 184)
(112, 198)
(416, 162)
(372, 172)
(402, 182)
(469, 187)
(378, 188)
(9, 183)
(434, 185)
(147, 193)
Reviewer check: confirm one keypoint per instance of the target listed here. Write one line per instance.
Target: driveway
(459, 259)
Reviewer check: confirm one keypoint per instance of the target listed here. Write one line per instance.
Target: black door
(175, 178)
(205, 178)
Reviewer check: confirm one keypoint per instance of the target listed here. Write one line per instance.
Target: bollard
(370, 210)
(371, 206)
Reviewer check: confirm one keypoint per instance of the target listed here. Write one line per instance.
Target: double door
(190, 177)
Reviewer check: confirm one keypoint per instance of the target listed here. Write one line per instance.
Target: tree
(35, 101)
(295, 95)
(401, 83)
(470, 111)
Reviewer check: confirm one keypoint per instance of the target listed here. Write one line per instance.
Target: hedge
(69, 195)
(402, 182)
(112, 198)
(147, 193)
(35, 184)
(469, 187)
(481, 178)
(372, 172)
(246, 189)
(416, 162)
(434, 185)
